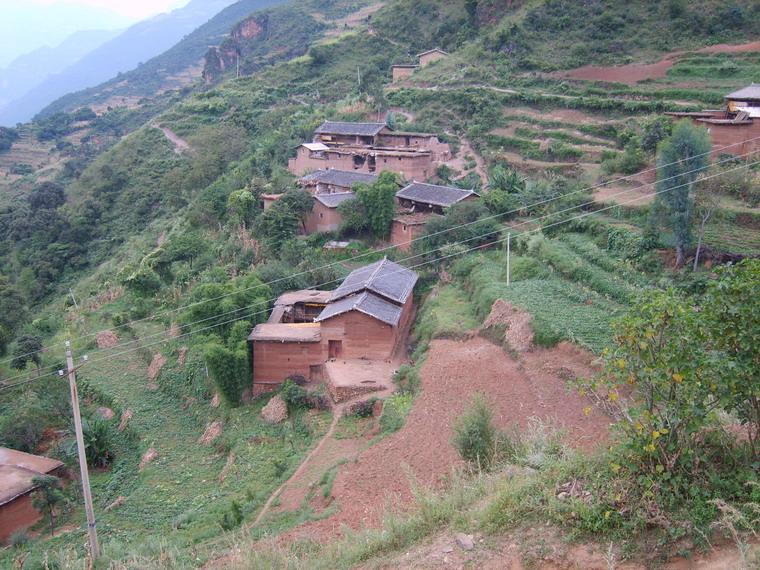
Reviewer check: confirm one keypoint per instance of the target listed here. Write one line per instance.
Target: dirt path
(337, 413)
(465, 148)
(180, 144)
(421, 450)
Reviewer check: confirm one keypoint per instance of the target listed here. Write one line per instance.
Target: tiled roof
(434, 194)
(343, 128)
(367, 303)
(752, 91)
(385, 278)
(334, 200)
(344, 178)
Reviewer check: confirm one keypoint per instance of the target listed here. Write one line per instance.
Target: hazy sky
(133, 9)
(26, 25)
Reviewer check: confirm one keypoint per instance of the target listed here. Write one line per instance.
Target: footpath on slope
(453, 372)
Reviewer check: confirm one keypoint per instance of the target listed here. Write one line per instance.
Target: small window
(321, 215)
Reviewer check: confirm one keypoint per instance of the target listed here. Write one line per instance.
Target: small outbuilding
(17, 471)
(423, 197)
(431, 55)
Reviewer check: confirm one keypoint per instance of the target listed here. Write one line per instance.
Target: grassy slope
(271, 106)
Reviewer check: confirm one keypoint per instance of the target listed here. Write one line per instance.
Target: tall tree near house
(680, 160)
(379, 203)
(706, 207)
(47, 497)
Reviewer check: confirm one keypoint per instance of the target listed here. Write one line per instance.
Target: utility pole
(92, 532)
(509, 238)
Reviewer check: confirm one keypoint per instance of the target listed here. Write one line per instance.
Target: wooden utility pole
(92, 532)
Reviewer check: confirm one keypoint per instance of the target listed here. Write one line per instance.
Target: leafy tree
(732, 309)
(475, 434)
(353, 217)
(462, 223)
(47, 497)
(655, 130)
(241, 206)
(680, 159)
(284, 219)
(22, 429)
(379, 203)
(229, 369)
(659, 355)
(47, 195)
(27, 350)
(12, 311)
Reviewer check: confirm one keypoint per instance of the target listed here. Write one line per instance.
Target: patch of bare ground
(126, 415)
(107, 339)
(154, 369)
(561, 115)
(347, 22)
(632, 73)
(466, 150)
(634, 190)
(148, 457)
(421, 451)
(211, 433)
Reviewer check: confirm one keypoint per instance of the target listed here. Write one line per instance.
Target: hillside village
(391, 285)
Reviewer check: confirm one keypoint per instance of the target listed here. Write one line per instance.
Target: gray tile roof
(434, 194)
(344, 178)
(367, 303)
(343, 128)
(752, 91)
(439, 50)
(385, 278)
(334, 200)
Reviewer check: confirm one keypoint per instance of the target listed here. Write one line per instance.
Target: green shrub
(232, 517)
(475, 435)
(544, 334)
(407, 379)
(19, 539)
(294, 395)
(395, 410)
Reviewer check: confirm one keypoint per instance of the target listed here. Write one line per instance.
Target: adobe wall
(723, 135)
(322, 219)
(402, 234)
(304, 162)
(16, 515)
(441, 151)
(409, 167)
(369, 338)
(431, 57)
(274, 361)
(400, 73)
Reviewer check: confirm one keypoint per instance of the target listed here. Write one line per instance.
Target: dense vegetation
(168, 248)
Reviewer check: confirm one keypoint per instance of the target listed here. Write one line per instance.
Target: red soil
(452, 373)
(633, 73)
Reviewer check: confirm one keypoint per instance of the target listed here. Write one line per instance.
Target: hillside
(137, 44)
(138, 233)
(176, 64)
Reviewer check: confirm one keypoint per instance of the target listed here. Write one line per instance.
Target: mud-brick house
(418, 202)
(369, 148)
(366, 318)
(324, 215)
(431, 55)
(735, 129)
(333, 181)
(330, 188)
(17, 471)
(401, 71)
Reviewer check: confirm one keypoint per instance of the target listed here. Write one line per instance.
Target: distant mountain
(160, 72)
(137, 44)
(26, 26)
(31, 69)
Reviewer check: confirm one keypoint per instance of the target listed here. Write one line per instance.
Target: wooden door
(334, 348)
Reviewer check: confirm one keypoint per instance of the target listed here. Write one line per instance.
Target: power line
(585, 214)
(390, 247)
